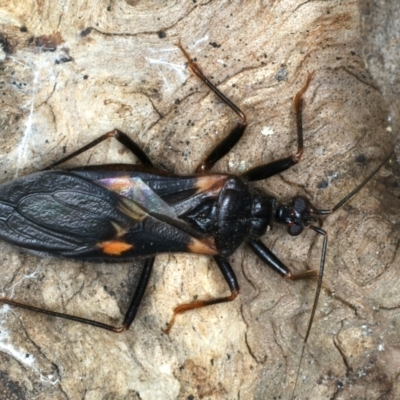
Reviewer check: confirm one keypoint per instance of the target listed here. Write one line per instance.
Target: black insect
(117, 212)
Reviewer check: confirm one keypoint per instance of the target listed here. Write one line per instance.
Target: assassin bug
(117, 212)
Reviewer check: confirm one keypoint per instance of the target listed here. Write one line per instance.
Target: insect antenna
(323, 254)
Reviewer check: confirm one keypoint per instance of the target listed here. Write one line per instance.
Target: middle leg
(231, 280)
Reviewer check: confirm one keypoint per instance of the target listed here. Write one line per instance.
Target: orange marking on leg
(197, 304)
(297, 99)
(309, 274)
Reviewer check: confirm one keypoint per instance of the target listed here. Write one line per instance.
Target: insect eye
(300, 204)
(295, 229)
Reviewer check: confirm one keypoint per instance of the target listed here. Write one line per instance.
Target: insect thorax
(238, 213)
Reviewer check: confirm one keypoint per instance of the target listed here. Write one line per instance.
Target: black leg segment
(234, 136)
(122, 137)
(278, 166)
(266, 255)
(129, 317)
(138, 296)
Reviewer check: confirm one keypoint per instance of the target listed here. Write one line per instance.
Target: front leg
(269, 258)
(276, 167)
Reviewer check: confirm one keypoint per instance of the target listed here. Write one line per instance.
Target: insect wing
(54, 212)
(180, 193)
(63, 214)
(136, 190)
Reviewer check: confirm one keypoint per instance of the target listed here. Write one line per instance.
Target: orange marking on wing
(210, 183)
(114, 248)
(118, 184)
(203, 246)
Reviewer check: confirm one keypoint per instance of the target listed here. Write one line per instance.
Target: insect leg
(267, 256)
(137, 298)
(276, 167)
(234, 136)
(122, 137)
(86, 321)
(230, 279)
(129, 317)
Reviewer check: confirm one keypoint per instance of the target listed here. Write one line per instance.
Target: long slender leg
(234, 136)
(137, 298)
(122, 137)
(266, 255)
(276, 167)
(129, 316)
(230, 279)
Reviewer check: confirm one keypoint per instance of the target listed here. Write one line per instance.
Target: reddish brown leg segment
(230, 279)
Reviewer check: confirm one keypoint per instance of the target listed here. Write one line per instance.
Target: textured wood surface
(381, 52)
(74, 70)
